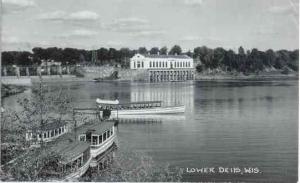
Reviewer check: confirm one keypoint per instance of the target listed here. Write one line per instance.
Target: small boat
(138, 108)
(100, 137)
(74, 162)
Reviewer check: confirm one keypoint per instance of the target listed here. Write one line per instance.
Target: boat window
(104, 136)
(100, 139)
(82, 138)
(94, 140)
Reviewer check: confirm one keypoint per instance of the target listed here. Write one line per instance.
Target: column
(17, 70)
(4, 71)
(27, 72)
(48, 70)
(59, 70)
(39, 71)
(68, 70)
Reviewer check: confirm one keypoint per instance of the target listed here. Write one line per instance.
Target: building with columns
(160, 68)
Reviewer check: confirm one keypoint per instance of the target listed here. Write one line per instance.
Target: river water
(226, 124)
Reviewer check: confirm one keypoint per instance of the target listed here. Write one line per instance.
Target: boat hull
(101, 149)
(80, 171)
(149, 111)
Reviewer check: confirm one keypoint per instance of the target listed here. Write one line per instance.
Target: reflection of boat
(100, 136)
(139, 108)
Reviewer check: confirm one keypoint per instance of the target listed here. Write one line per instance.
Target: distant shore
(250, 77)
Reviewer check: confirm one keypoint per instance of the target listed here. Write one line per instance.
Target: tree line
(242, 61)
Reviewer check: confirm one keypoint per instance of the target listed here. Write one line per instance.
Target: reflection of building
(164, 67)
(170, 94)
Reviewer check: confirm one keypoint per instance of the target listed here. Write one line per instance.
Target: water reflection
(170, 93)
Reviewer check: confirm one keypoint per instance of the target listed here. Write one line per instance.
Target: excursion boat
(74, 160)
(46, 133)
(138, 108)
(100, 137)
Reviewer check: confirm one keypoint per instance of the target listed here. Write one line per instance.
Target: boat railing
(133, 105)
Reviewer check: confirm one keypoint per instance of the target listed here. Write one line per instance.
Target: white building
(164, 67)
(139, 61)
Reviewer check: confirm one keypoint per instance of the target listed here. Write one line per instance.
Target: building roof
(95, 128)
(167, 56)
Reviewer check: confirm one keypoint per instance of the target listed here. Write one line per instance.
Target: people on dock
(106, 113)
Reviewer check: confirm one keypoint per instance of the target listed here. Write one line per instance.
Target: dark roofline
(55, 124)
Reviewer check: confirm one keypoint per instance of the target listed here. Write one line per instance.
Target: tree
(8, 58)
(103, 54)
(142, 50)
(154, 51)
(163, 50)
(24, 58)
(175, 50)
(189, 53)
(241, 51)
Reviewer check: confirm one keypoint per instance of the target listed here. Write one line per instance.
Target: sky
(262, 24)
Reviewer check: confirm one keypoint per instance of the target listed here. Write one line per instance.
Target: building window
(133, 64)
(159, 64)
(138, 64)
(150, 64)
(142, 64)
(163, 64)
(82, 138)
(156, 64)
(189, 64)
(166, 64)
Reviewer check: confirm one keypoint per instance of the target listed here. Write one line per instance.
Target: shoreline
(17, 88)
(9, 90)
(217, 77)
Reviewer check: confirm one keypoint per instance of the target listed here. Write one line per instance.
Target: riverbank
(273, 75)
(7, 90)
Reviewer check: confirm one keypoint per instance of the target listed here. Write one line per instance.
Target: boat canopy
(113, 102)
